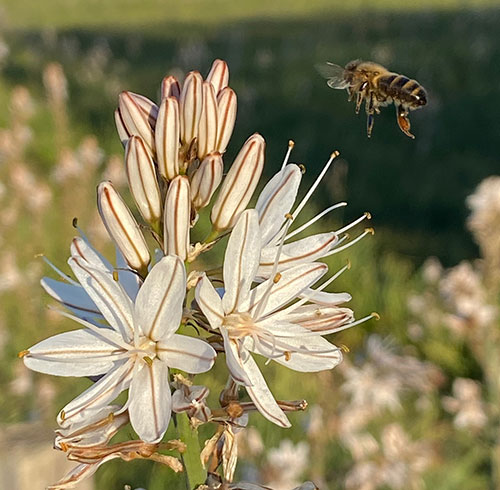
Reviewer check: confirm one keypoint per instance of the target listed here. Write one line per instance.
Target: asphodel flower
(134, 352)
(123, 228)
(261, 319)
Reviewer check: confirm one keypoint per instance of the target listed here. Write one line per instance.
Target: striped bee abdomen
(403, 89)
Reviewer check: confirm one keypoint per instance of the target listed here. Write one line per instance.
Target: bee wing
(334, 74)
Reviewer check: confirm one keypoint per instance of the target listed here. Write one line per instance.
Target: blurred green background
(415, 189)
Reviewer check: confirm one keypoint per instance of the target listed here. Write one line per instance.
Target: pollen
(277, 278)
(23, 353)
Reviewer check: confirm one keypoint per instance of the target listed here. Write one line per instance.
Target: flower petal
(262, 396)
(159, 303)
(109, 296)
(191, 102)
(209, 301)
(82, 248)
(100, 394)
(170, 87)
(167, 135)
(325, 298)
(187, 353)
(73, 297)
(322, 319)
(127, 277)
(206, 179)
(234, 351)
(290, 284)
(76, 353)
(241, 260)
(301, 251)
(227, 103)
(150, 400)
(207, 129)
(219, 75)
(276, 200)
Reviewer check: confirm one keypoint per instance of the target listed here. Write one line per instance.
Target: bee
(378, 87)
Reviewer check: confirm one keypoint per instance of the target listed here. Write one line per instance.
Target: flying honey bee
(365, 80)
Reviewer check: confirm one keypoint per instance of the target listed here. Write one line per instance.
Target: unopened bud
(219, 75)
(167, 135)
(170, 88)
(137, 117)
(177, 218)
(207, 129)
(141, 175)
(122, 227)
(191, 102)
(239, 184)
(206, 180)
(226, 117)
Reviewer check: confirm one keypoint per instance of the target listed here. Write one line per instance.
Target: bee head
(352, 65)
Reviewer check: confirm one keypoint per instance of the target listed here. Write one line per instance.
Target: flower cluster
(135, 313)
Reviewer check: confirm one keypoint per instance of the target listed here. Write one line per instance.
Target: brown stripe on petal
(226, 117)
(283, 184)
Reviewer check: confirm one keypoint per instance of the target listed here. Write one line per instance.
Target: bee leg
(370, 111)
(369, 124)
(359, 99)
(403, 121)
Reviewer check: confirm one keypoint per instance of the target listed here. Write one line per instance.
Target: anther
(375, 315)
(288, 355)
(348, 264)
(37, 256)
(23, 353)
(74, 222)
(371, 231)
(344, 348)
(234, 409)
(148, 360)
(115, 275)
(111, 417)
(334, 154)
(302, 168)
(62, 414)
(289, 216)
(368, 215)
(64, 446)
(291, 143)
(277, 278)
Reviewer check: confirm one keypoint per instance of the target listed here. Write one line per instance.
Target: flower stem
(195, 473)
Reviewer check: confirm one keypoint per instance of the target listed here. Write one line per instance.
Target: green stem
(195, 473)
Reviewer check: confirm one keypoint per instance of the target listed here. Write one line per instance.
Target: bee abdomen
(403, 89)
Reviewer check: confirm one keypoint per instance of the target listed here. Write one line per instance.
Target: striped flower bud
(170, 88)
(167, 135)
(191, 102)
(207, 129)
(239, 184)
(219, 75)
(177, 218)
(226, 117)
(122, 227)
(206, 180)
(141, 175)
(136, 116)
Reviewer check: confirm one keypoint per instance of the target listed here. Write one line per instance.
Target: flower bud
(207, 129)
(219, 75)
(226, 117)
(141, 175)
(206, 180)
(170, 88)
(239, 184)
(191, 102)
(167, 136)
(122, 227)
(177, 218)
(137, 117)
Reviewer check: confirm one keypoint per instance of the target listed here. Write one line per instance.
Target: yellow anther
(371, 231)
(148, 360)
(37, 256)
(74, 222)
(288, 355)
(64, 446)
(277, 278)
(115, 275)
(318, 313)
(291, 143)
(111, 417)
(344, 348)
(348, 264)
(334, 154)
(62, 414)
(368, 215)
(288, 216)
(375, 315)
(302, 168)
(23, 353)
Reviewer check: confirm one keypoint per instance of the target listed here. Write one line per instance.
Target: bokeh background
(416, 403)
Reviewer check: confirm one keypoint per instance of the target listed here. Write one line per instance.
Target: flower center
(146, 348)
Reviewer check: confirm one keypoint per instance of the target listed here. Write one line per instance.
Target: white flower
(256, 320)
(134, 353)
